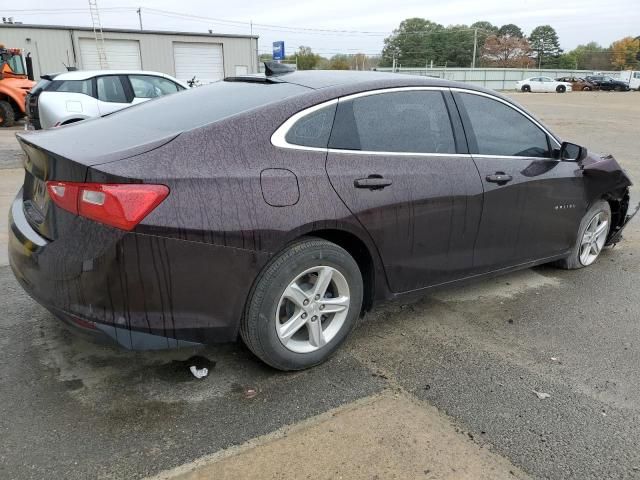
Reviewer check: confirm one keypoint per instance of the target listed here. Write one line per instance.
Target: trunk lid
(65, 154)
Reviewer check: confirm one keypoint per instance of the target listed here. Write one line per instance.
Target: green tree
(544, 42)
(487, 27)
(591, 56)
(339, 62)
(305, 58)
(415, 42)
(510, 30)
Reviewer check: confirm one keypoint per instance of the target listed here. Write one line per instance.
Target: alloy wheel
(594, 238)
(312, 309)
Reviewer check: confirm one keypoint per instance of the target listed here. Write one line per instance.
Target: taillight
(122, 205)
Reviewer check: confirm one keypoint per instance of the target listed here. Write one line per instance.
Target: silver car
(69, 97)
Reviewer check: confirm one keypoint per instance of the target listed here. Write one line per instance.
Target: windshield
(15, 62)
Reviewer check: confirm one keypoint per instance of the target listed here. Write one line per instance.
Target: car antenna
(274, 68)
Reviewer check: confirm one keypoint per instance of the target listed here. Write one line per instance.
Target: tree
(510, 30)
(486, 27)
(506, 51)
(339, 62)
(305, 58)
(544, 42)
(591, 57)
(413, 43)
(624, 53)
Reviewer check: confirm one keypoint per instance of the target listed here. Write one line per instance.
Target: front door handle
(500, 178)
(372, 182)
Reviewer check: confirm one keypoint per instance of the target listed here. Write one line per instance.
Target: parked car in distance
(542, 84)
(577, 83)
(69, 97)
(279, 208)
(604, 82)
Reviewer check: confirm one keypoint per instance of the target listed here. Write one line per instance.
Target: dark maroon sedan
(280, 208)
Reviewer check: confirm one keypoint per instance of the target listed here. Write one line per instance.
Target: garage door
(121, 54)
(202, 60)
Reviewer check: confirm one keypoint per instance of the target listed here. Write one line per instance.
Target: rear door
(533, 203)
(398, 160)
(114, 93)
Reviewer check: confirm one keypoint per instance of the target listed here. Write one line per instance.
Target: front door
(533, 203)
(394, 162)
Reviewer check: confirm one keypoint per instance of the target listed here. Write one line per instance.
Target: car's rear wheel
(561, 89)
(7, 115)
(303, 305)
(526, 88)
(586, 88)
(591, 238)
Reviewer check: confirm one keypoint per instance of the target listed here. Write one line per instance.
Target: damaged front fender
(605, 179)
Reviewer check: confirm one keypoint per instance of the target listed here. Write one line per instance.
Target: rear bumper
(139, 291)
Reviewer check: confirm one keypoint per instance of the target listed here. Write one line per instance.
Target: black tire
(7, 115)
(586, 89)
(561, 89)
(526, 88)
(258, 325)
(572, 262)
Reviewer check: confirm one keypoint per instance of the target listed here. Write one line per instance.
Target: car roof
(316, 79)
(85, 74)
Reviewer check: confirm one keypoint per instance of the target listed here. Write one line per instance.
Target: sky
(339, 26)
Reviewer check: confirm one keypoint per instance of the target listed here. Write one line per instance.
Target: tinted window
(146, 86)
(71, 86)
(313, 130)
(501, 130)
(412, 121)
(110, 89)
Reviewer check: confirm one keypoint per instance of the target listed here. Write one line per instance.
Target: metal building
(209, 57)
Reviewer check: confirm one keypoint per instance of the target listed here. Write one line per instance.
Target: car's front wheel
(586, 88)
(303, 305)
(526, 88)
(591, 238)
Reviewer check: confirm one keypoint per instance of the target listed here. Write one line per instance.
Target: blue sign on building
(278, 50)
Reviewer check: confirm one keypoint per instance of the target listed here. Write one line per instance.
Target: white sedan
(69, 97)
(542, 84)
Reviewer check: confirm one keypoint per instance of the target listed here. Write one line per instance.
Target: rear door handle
(372, 182)
(500, 178)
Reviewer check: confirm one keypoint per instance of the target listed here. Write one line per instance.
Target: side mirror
(570, 152)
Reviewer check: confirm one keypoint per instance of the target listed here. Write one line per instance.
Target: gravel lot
(463, 362)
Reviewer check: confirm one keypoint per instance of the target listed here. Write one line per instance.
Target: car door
(113, 93)
(399, 162)
(145, 87)
(533, 203)
(548, 84)
(535, 84)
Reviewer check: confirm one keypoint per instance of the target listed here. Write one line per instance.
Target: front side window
(146, 86)
(110, 89)
(313, 130)
(501, 130)
(403, 122)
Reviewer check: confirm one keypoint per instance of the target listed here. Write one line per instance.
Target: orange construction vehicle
(14, 86)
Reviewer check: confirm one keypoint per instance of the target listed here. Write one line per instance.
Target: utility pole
(140, 16)
(475, 47)
(393, 68)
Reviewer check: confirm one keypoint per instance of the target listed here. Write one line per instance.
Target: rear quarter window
(71, 86)
(313, 130)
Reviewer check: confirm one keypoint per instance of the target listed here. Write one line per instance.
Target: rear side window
(403, 122)
(501, 130)
(71, 86)
(313, 130)
(110, 89)
(146, 86)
